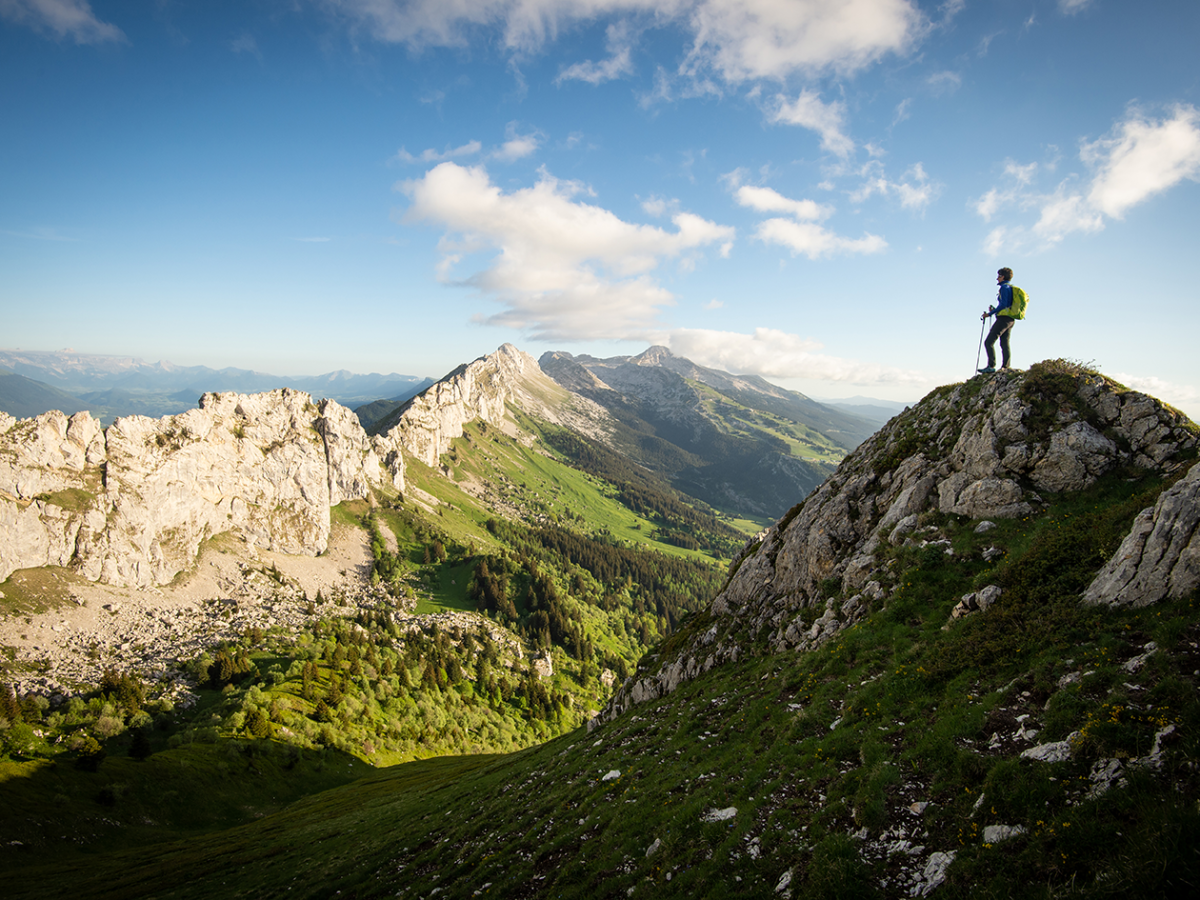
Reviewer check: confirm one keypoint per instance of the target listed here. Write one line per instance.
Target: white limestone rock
(1160, 557)
(132, 504)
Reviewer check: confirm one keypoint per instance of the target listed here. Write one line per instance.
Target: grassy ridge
(799, 769)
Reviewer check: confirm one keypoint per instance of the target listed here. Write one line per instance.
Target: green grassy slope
(835, 772)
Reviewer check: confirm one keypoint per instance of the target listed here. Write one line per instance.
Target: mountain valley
(605, 628)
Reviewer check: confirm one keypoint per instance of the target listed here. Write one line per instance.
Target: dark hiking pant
(1002, 330)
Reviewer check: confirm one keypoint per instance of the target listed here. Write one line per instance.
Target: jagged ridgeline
(964, 666)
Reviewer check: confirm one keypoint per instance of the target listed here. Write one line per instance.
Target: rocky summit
(988, 449)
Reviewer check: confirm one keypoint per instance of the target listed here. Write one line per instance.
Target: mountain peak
(657, 355)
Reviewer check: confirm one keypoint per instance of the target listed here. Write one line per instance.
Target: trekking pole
(982, 326)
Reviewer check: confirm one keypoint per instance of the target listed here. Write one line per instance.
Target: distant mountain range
(111, 386)
(870, 408)
(734, 441)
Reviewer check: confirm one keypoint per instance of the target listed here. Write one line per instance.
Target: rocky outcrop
(1160, 557)
(982, 450)
(132, 504)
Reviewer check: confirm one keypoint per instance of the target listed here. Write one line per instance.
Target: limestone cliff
(980, 450)
(427, 424)
(132, 504)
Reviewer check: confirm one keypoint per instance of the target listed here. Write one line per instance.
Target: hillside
(964, 667)
(23, 397)
(259, 567)
(735, 442)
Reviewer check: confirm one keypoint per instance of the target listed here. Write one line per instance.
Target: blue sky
(819, 192)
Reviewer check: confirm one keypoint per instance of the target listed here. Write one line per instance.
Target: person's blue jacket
(1003, 298)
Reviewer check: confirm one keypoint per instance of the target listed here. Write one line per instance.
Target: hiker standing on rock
(1010, 306)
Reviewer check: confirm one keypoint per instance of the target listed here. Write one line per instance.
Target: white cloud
(61, 18)
(619, 62)
(944, 82)
(1070, 7)
(950, 9)
(826, 119)
(1143, 158)
(995, 199)
(427, 156)
(1140, 158)
(815, 241)
(801, 234)
(1021, 174)
(765, 199)
(777, 354)
(772, 39)
(987, 205)
(1065, 212)
(714, 303)
(659, 207)
(563, 269)
(915, 190)
(518, 146)
(739, 40)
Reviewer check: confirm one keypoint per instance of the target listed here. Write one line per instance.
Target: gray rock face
(980, 450)
(429, 422)
(1160, 557)
(131, 505)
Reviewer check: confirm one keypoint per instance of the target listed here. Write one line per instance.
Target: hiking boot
(987, 370)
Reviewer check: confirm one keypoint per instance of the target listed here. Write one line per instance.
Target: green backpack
(1020, 300)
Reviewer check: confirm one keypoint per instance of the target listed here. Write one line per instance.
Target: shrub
(19, 739)
(109, 726)
(91, 754)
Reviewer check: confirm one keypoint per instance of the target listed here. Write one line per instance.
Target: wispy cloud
(562, 269)
(72, 19)
(619, 63)
(1070, 7)
(735, 40)
(826, 119)
(765, 199)
(801, 232)
(772, 353)
(944, 82)
(517, 146)
(1140, 158)
(915, 190)
(471, 148)
(245, 43)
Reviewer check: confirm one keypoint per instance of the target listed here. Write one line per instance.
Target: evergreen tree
(10, 709)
